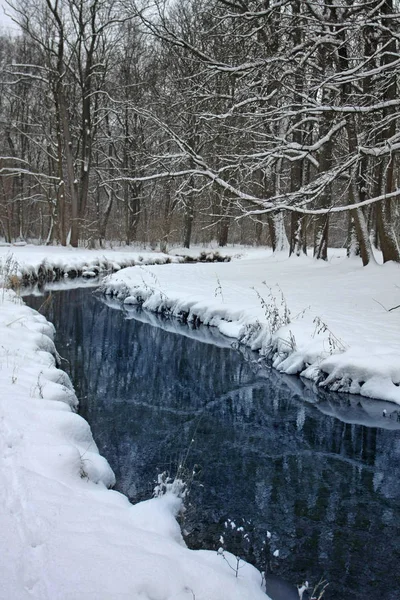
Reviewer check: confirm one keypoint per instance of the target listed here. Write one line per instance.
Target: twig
(394, 307)
(384, 307)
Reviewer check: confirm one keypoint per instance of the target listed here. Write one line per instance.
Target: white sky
(6, 24)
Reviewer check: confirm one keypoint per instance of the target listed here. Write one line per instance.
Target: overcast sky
(5, 22)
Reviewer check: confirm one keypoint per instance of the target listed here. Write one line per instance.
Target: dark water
(266, 457)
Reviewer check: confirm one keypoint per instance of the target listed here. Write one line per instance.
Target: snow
(330, 321)
(29, 260)
(65, 535)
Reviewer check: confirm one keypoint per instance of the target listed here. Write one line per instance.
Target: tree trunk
(355, 189)
(352, 246)
(188, 225)
(61, 225)
(104, 220)
(298, 244)
(298, 234)
(387, 236)
(321, 227)
(259, 230)
(276, 224)
(321, 237)
(223, 233)
(224, 222)
(72, 183)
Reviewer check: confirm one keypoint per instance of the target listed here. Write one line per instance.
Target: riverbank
(30, 263)
(335, 323)
(65, 535)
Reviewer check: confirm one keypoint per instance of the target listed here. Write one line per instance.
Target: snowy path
(65, 535)
(340, 333)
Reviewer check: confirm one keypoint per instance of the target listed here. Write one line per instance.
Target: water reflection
(269, 454)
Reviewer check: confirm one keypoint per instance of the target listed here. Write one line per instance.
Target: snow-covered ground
(64, 534)
(29, 261)
(329, 321)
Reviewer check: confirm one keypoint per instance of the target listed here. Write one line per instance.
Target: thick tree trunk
(223, 233)
(321, 230)
(355, 189)
(166, 231)
(352, 246)
(298, 234)
(361, 229)
(276, 224)
(387, 236)
(133, 212)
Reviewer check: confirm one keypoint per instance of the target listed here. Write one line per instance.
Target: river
(270, 464)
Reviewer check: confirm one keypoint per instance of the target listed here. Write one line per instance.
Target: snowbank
(329, 322)
(31, 263)
(65, 535)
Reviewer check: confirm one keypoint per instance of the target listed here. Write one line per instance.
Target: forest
(176, 122)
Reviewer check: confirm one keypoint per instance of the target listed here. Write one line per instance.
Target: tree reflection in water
(269, 454)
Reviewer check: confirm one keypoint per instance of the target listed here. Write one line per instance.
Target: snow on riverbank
(328, 321)
(65, 536)
(30, 262)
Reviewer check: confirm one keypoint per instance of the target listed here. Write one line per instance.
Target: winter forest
(200, 380)
(242, 121)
